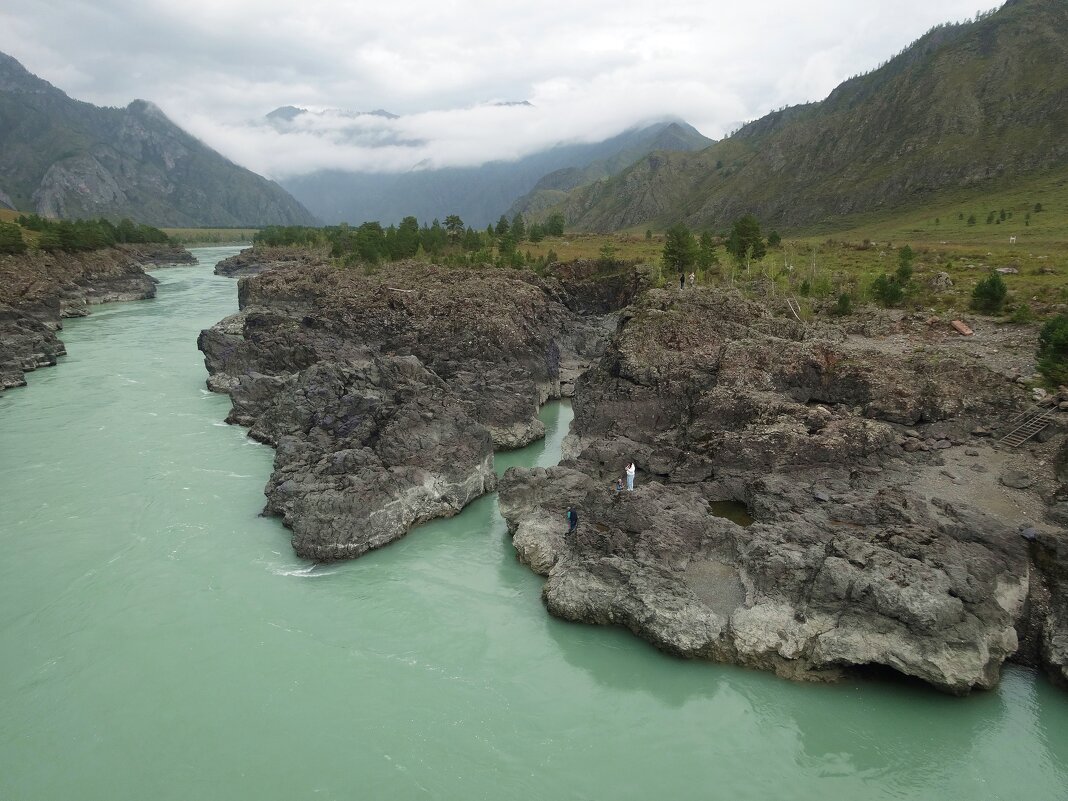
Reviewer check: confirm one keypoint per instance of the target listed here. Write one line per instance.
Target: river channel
(159, 639)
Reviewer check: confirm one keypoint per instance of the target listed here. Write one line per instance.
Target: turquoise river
(159, 639)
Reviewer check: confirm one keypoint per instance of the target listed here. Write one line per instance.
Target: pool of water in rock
(735, 511)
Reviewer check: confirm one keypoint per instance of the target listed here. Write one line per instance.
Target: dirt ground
(971, 469)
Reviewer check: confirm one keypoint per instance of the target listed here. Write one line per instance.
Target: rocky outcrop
(865, 545)
(386, 393)
(159, 254)
(864, 552)
(1050, 605)
(38, 289)
(254, 260)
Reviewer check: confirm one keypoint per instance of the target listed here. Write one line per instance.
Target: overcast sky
(591, 68)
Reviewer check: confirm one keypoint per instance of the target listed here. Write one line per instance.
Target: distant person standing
(630, 476)
(572, 520)
(693, 279)
(682, 281)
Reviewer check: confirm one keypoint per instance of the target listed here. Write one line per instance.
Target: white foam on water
(311, 571)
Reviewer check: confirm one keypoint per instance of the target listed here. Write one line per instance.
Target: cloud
(590, 69)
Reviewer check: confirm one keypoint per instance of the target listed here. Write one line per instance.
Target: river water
(159, 640)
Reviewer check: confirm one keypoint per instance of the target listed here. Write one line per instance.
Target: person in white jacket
(630, 476)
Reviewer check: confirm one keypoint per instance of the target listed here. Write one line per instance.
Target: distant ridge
(965, 104)
(61, 157)
(481, 194)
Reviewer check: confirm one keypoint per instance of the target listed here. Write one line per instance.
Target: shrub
(844, 306)
(1053, 350)
(11, 239)
(1021, 315)
(989, 294)
(887, 290)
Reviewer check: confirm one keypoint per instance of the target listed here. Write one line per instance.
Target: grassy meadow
(849, 254)
(199, 237)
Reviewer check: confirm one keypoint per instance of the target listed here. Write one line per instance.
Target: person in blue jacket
(572, 520)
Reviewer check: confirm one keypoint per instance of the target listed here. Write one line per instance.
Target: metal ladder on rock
(1027, 424)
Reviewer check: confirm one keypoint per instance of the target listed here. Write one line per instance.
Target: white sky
(591, 68)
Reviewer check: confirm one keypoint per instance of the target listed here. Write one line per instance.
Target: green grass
(211, 236)
(848, 254)
(944, 221)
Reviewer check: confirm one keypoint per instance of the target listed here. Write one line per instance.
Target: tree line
(745, 243)
(75, 235)
(372, 243)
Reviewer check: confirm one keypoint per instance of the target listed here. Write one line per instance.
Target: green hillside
(553, 188)
(966, 106)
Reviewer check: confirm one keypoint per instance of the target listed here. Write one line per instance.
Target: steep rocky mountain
(965, 104)
(478, 194)
(64, 158)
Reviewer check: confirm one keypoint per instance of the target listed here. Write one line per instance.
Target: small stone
(971, 453)
(980, 431)
(943, 444)
(823, 497)
(1016, 479)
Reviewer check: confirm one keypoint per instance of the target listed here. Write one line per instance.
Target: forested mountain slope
(965, 104)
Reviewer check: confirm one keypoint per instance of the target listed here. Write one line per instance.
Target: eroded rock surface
(385, 394)
(254, 260)
(865, 551)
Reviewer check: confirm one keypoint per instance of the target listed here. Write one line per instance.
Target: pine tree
(680, 248)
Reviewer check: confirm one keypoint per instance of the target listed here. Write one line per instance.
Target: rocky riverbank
(255, 260)
(38, 289)
(386, 394)
(889, 531)
(883, 536)
(159, 254)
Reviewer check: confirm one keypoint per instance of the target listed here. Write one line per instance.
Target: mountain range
(965, 105)
(478, 194)
(60, 157)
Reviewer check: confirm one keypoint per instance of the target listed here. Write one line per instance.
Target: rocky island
(38, 289)
(885, 530)
(386, 394)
